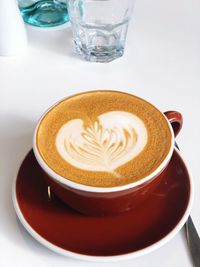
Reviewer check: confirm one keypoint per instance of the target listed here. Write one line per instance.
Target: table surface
(161, 63)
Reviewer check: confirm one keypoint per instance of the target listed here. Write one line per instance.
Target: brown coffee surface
(103, 151)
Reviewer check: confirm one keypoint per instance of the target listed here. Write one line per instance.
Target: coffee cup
(104, 152)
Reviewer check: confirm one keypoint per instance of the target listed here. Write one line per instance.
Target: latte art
(103, 138)
(111, 141)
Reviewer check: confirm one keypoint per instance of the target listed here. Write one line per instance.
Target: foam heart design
(112, 140)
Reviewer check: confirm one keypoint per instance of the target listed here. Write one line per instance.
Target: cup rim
(82, 187)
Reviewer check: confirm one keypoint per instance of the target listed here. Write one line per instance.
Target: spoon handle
(193, 239)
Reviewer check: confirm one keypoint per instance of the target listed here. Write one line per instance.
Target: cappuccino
(103, 138)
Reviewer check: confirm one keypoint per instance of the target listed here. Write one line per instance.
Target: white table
(161, 64)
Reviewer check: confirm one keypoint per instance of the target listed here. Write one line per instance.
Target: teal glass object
(44, 13)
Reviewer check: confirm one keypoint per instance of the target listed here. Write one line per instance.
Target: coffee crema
(103, 138)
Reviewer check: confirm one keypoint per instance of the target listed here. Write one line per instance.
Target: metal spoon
(193, 239)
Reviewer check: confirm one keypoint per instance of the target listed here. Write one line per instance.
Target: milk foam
(112, 140)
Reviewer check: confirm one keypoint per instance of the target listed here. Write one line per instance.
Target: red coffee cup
(113, 200)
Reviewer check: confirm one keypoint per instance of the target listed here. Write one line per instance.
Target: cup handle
(176, 120)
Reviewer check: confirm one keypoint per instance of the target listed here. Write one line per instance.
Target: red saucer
(64, 230)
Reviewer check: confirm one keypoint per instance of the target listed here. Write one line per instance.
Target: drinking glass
(44, 13)
(100, 27)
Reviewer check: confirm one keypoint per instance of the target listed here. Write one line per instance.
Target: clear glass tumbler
(100, 27)
(44, 13)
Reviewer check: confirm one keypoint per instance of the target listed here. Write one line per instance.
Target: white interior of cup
(65, 181)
